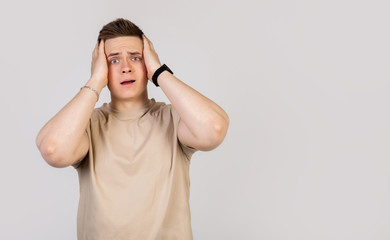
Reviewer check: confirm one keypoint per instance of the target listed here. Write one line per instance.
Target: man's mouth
(127, 82)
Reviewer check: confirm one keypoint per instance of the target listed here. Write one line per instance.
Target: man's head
(127, 77)
(119, 28)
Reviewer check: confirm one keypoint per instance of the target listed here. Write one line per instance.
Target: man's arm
(63, 141)
(203, 123)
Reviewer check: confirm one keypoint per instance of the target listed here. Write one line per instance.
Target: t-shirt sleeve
(186, 149)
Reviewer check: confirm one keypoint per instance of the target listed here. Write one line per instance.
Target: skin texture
(125, 62)
(63, 141)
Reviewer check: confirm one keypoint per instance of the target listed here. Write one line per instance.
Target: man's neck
(129, 104)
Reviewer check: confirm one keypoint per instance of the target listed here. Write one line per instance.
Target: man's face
(127, 77)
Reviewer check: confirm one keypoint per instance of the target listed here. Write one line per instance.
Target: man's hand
(151, 60)
(99, 69)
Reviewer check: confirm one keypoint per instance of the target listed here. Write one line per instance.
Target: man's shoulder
(99, 112)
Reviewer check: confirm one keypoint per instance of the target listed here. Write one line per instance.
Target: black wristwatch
(158, 72)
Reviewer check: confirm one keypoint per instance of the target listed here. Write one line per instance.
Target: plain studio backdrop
(305, 83)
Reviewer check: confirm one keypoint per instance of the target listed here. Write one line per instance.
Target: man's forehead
(123, 44)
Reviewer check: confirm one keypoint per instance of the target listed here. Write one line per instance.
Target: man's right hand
(99, 69)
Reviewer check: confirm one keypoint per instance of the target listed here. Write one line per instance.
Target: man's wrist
(95, 84)
(158, 72)
(153, 70)
(91, 89)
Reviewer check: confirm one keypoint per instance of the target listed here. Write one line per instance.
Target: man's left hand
(151, 60)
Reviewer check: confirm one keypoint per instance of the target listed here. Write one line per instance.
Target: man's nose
(126, 67)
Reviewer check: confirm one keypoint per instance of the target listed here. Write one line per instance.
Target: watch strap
(158, 72)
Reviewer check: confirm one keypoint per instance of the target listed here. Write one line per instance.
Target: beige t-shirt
(134, 181)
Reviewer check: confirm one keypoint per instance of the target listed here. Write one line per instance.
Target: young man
(132, 154)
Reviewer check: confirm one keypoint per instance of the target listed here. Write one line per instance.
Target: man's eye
(114, 61)
(135, 59)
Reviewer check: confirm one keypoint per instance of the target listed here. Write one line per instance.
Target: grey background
(305, 83)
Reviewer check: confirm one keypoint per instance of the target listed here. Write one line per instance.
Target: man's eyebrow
(133, 53)
(130, 53)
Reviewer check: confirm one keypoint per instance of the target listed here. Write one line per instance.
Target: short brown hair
(119, 28)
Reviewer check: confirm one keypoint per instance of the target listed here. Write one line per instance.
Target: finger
(95, 50)
(101, 47)
(147, 40)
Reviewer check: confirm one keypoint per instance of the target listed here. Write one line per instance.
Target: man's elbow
(220, 130)
(50, 153)
(216, 135)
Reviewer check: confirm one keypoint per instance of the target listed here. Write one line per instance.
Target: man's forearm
(203, 123)
(61, 140)
(203, 118)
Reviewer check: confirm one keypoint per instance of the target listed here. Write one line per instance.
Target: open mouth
(127, 82)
